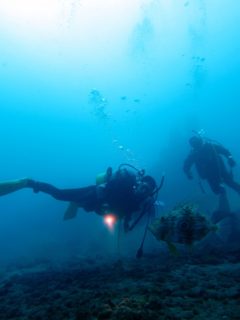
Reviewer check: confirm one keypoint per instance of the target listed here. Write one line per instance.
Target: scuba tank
(104, 177)
(120, 189)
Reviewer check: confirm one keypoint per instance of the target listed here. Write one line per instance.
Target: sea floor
(155, 287)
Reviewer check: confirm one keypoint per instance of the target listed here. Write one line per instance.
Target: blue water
(161, 69)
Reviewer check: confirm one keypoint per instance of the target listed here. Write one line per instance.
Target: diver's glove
(231, 162)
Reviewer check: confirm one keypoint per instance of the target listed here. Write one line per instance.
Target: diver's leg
(47, 188)
(223, 209)
(82, 196)
(224, 203)
(216, 186)
(12, 186)
(228, 180)
(59, 194)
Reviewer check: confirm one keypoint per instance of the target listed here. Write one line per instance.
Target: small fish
(184, 225)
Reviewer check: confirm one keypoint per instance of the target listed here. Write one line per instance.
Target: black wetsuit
(210, 166)
(86, 197)
(117, 195)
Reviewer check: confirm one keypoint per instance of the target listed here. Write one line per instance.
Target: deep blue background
(162, 68)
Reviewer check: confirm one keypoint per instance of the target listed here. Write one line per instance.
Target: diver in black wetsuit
(207, 158)
(121, 193)
(209, 164)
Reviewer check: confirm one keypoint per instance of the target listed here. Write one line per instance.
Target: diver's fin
(12, 186)
(227, 227)
(224, 204)
(71, 211)
(172, 248)
(223, 211)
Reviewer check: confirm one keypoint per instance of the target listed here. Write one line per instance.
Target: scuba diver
(121, 194)
(207, 158)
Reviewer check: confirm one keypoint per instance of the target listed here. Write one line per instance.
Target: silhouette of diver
(207, 158)
(122, 193)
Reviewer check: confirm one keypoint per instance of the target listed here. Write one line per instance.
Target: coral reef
(155, 287)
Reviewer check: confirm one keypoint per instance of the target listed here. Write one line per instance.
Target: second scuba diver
(210, 166)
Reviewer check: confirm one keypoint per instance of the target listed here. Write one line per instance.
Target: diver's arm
(146, 208)
(225, 152)
(221, 150)
(189, 161)
(152, 211)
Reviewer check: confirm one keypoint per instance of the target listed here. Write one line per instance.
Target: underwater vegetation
(199, 287)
